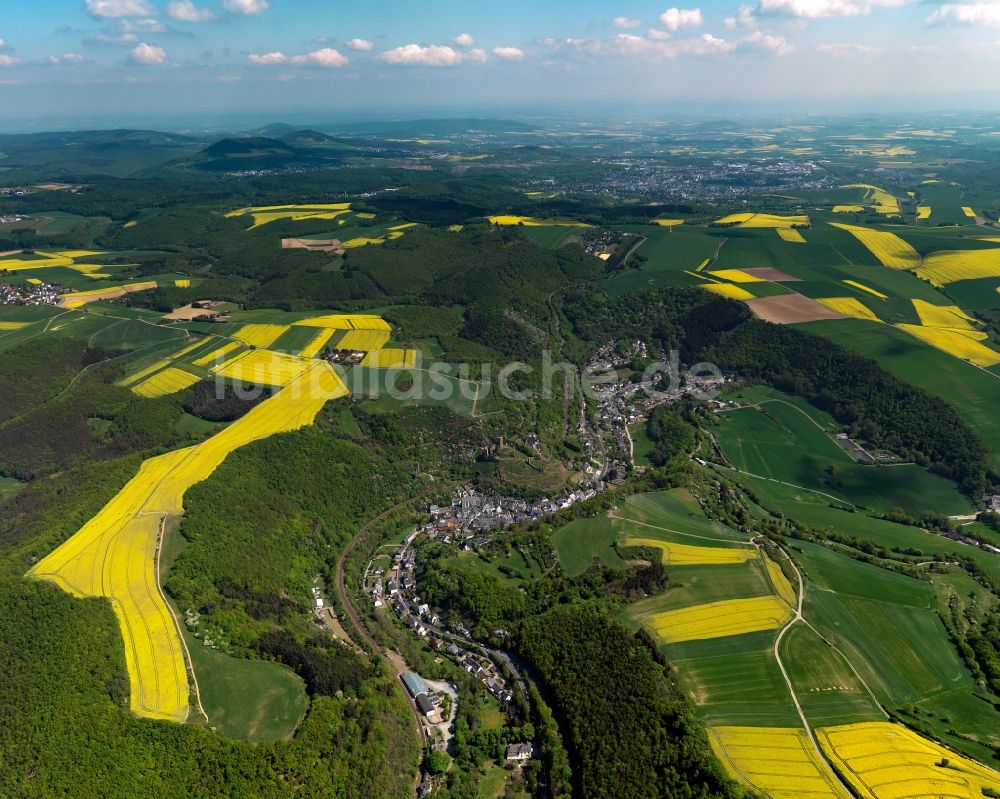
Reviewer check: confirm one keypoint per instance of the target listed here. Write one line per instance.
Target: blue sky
(125, 58)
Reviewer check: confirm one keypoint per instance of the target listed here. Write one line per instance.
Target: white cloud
(984, 14)
(476, 54)
(821, 9)
(675, 18)
(327, 57)
(657, 35)
(744, 18)
(629, 45)
(246, 7)
(626, 22)
(464, 40)
(66, 58)
(104, 9)
(8, 60)
(363, 45)
(768, 43)
(435, 55)
(509, 53)
(268, 58)
(843, 49)
(186, 11)
(148, 54)
(148, 25)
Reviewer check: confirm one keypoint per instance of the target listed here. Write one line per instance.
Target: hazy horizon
(113, 63)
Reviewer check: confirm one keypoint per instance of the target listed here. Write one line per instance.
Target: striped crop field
(881, 760)
(391, 358)
(889, 248)
(363, 340)
(114, 554)
(780, 762)
(782, 585)
(791, 235)
(263, 367)
(752, 220)
(318, 342)
(259, 335)
(530, 221)
(217, 355)
(346, 322)
(849, 306)
(736, 276)
(867, 289)
(956, 343)
(687, 555)
(721, 619)
(950, 266)
(169, 381)
(728, 290)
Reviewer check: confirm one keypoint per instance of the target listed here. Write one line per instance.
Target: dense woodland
(630, 736)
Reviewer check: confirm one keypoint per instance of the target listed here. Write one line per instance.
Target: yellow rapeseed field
(169, 381)
(889, 248)
(364, 340)
(530, 221)
(217, 355)
(8, 326)
(791, 235)
(137, 376)
(362, 241)
(456, 228)
(881, 760)
(849, 306)
(702, 265)
(882, 202)
(668, 222)
(968, 211)
(782, 585)
(687, 555)
(260, 335)
(391, 358)
(77, 299)
(719, 619)
(950, 266)
(182, 283)
(114, 554)
(263, 214)
(752, 220)
(848, 209)
(781, 762)
(947, 317)
(729, 290)
(736, 276)
(868, 289)
(263, 367)
(319, 341)
(923, 212)
(956, 343)
(346, 322)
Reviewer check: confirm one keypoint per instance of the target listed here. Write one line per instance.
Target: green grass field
(581, 541)
(781, 442)
(661, 513)
(251, 700)
(828, 690)
(9, 488)
(668, 252)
